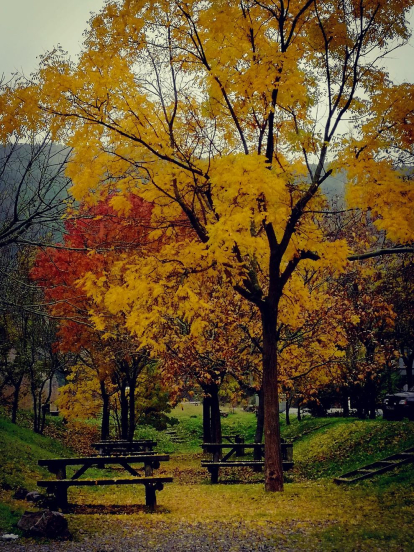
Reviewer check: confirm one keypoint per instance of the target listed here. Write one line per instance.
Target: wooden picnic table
(59, 486)
(217, 462)
(235, 438)
(107, 448)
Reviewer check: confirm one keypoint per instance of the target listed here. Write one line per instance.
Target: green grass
(9, 516)
(20, 449)
(345, 445)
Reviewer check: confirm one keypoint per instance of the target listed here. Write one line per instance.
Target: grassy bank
(20, 449)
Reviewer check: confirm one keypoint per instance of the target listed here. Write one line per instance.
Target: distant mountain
(33, 188)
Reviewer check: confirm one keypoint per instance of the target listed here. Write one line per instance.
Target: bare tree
(33, 190)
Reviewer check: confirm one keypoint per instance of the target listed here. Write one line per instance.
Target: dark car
(400, 405)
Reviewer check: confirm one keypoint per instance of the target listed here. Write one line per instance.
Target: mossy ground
(312, 514)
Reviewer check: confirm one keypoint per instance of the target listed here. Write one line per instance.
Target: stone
(9, 537)
(44, 524)
(20, 493)
(33, 496)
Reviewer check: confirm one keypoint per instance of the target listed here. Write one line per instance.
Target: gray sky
(29, 28)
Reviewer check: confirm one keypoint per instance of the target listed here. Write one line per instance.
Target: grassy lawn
(312, 514)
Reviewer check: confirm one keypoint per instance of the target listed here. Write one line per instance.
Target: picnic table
(60, 485)
(217, 462)
(122, 446)
(235, 438)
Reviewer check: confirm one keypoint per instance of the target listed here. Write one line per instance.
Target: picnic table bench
(60, 485)
(216, 463)
(235, 438)
(121, 446)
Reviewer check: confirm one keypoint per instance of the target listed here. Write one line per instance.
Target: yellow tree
(231, 114)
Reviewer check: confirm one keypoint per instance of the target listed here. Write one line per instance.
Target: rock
(33, 496)
(44, 524)
(9, 537)
(20, 493)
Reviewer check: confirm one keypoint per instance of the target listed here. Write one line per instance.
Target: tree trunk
(345, 403)
(46, 405)
(124, 411)
(287, 411)
(299, 414)
(215, 415)
(131, 429)
(15, 404)
(105, 413)
(35, 409)
(206, 419)
(273, 456)
(408, 361)
(258, 438)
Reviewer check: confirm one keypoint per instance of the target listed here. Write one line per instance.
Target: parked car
(400, 405)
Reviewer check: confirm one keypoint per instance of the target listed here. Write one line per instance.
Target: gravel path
(167, 537)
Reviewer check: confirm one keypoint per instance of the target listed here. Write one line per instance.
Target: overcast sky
(29, 28)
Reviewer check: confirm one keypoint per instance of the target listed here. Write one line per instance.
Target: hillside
(20, 449)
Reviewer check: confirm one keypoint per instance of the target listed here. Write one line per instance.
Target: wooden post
(150, 496)
(214, 472)
(61, 494)
(239, 439)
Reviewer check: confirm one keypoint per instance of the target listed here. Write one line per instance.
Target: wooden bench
(217, 463)
(235, 438)
(124, 447)
(257, 465)
(59, 487)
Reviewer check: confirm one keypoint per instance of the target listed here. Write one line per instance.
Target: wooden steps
(378, 467)
(173, 435)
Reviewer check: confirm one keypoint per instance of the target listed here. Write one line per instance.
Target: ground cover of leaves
(194, 515)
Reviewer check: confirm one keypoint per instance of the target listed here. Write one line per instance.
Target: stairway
(173, 435)
(381, 466)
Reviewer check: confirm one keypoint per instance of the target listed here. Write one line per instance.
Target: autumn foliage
(228, 117)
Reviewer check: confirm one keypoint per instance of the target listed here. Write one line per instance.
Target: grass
(190, 429)
(20, 449)
(323, 516)
(312, 514)
(345, 445)
(9, 516)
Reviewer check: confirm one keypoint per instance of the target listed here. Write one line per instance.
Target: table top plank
(91, 460)
(124, 441)
(239, 445)
(233, 445)
(137, 443)
(91, 482)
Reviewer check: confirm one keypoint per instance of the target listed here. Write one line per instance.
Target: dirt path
(121, 536)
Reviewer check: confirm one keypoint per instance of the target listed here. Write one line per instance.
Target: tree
(205, 348)
(33, 189)
(396, 285)
(29, 359)
(116, 358)
(216, 111)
